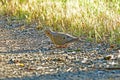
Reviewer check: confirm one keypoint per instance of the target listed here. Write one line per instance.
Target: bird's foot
(61, 46)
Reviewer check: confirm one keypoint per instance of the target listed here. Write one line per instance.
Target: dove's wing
(70, 39)
(61, 38)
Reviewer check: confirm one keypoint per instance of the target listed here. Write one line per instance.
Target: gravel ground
(27, 54)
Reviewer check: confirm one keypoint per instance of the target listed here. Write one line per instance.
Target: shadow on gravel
(21, 51)
(80, 75)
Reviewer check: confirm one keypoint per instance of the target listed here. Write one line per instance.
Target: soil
(28, 54)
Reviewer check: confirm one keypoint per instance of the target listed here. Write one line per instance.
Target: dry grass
(99, 20)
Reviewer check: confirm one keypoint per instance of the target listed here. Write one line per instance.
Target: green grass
(95, 19)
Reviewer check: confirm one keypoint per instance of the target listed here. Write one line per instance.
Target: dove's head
(48, 32)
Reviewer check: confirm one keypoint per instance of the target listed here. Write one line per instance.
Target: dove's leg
(58, 46)
(61, 46)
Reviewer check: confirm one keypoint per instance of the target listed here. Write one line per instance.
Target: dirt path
(26, 53)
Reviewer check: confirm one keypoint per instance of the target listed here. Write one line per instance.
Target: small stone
(108, 57)
(20, 64)
(11, 61)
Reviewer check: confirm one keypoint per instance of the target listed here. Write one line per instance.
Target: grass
(99, 20)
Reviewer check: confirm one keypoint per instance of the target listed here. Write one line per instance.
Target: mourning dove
(61, 40)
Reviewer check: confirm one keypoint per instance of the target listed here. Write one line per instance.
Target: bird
(60, 40)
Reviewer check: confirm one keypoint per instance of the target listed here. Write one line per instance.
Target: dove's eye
(48, 33)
